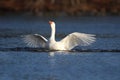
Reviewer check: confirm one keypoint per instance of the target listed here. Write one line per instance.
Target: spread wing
(35, 40)
(75, 39)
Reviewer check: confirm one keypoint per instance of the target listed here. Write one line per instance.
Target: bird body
(67, 43)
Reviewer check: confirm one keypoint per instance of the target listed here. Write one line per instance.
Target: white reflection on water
(52, 54)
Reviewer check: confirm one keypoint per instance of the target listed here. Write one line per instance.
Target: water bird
(69, 42)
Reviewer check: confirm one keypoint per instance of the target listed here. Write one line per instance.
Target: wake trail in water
(27, 49)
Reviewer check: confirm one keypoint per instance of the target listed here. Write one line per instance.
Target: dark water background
(99, 61)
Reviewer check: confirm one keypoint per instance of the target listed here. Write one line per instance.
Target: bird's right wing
(75, 39)
(35, 40)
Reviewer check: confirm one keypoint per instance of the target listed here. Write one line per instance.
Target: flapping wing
(35, 40)
(75, 39)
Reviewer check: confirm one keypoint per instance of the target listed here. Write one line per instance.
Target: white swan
(68, 43)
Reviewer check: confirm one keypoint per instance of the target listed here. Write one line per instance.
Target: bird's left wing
(35, 40)
(75, 39)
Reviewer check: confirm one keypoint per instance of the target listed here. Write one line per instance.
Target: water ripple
(58, 35)
(45, 50)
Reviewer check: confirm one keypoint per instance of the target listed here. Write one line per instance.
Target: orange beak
(50, 22)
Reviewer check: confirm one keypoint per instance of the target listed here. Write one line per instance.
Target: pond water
(99, 61)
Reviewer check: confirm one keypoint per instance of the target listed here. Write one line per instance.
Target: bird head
(52, 24)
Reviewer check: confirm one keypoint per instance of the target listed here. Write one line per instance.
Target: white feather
(75, 39)
(68, 43)
(35, 40)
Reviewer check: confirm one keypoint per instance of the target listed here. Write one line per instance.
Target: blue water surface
(56, 65)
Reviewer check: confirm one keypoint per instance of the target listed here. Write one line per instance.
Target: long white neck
(52, 32)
